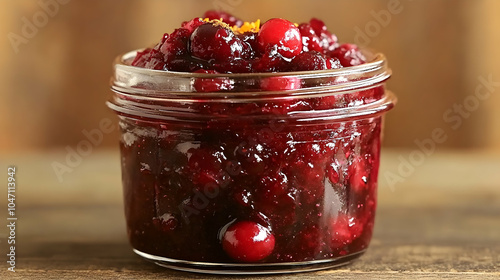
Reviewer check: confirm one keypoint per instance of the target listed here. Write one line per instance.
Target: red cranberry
(308, 61)
(316, 37)
(318, 25)
(214, 41)
(283, 34)
(226, 17)
(175, 52)
(310, 40)
(328, 41)
(248, 242)
(176, 43)
(212, 85)
(349, 55)
(213, 45)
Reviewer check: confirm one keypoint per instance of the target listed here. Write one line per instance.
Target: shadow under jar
(250, 173)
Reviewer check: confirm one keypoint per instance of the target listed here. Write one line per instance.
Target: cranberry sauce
(248, 190)
(223, 167)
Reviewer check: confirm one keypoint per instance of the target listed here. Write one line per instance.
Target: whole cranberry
(283, 34)
(215, 41)
(309, 61)
(349, 55)
(318, 25)
(247, 241)
(328, 41)
(175, 45)
(310, 40)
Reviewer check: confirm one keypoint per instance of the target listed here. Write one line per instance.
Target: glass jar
(250, 173)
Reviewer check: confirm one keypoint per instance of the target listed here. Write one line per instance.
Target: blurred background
(56, 61)
(55, 67)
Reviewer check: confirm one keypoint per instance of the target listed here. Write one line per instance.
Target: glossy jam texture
(249, 183)
(232, 46)
(308, 192)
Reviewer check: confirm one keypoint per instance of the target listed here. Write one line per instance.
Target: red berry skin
(210, 41)
(310, 61)
(280, 33)
(247, 241)
(174, 45)
(310, 40)
(328, 41)
(349, 55)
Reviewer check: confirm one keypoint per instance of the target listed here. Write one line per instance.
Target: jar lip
(377, 61)
(158, 94)
(179, 85)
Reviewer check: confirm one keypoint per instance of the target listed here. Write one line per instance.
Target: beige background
(57, 83)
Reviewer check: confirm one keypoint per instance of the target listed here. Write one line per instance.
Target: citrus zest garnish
(247, 27)
(217, 22)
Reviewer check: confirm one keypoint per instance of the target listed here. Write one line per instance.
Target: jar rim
(377, 61)
(169, 84)
(159, 94)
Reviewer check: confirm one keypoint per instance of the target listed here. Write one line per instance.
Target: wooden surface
(442, 222)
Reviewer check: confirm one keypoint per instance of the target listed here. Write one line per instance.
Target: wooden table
(441, 222)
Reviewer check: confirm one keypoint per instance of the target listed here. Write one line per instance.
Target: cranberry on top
(223, 43)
